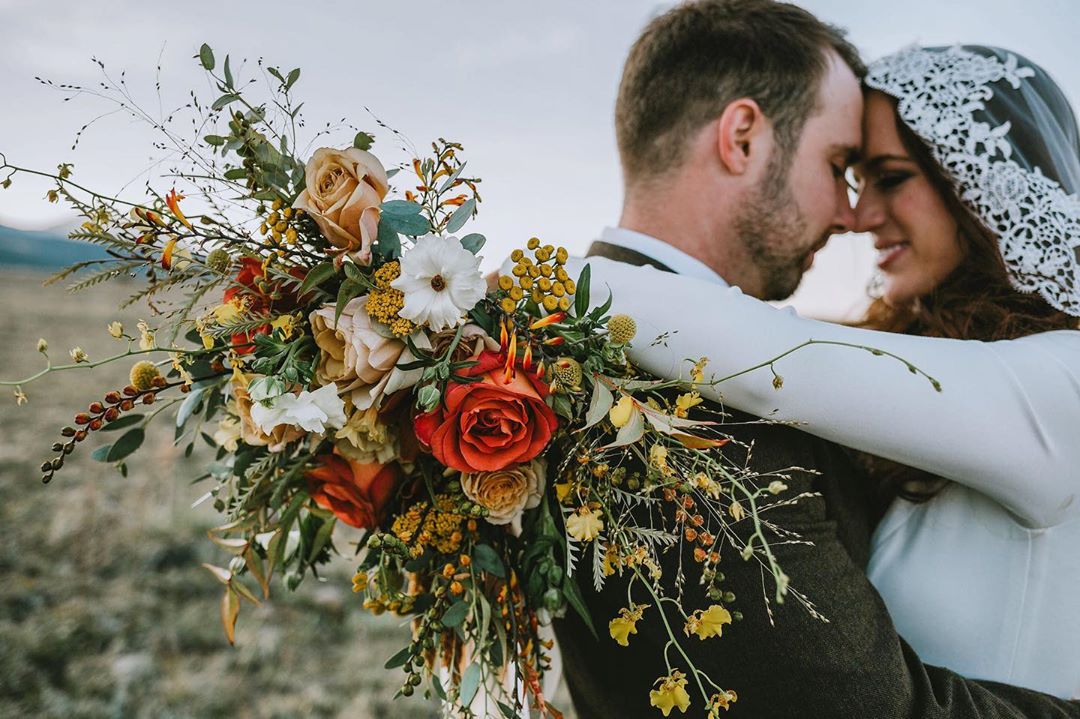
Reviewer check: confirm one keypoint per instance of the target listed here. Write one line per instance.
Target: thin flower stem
(872, 350)
(671, 636)
(129, 353)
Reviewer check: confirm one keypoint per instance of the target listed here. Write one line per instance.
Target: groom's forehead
(837, 122)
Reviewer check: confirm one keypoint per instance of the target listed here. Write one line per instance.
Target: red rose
(489, 425)
(356, 493)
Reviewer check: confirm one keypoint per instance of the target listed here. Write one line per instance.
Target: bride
(968, 184)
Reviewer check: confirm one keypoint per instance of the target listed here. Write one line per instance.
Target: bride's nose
(869, 211)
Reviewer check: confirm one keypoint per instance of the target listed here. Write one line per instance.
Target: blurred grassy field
(104, 608)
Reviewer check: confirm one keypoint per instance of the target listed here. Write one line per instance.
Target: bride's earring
(875, 286)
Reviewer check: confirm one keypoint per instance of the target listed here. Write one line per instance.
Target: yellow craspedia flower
(585, 524)
(533, 243)
(143, 375)
(621, 329)
(551, 303)
(506, 282)
(670, 694)
(568, 371)
(708, 623)
(564, 303)
(621, 627)
(621, 411)
(507, 305)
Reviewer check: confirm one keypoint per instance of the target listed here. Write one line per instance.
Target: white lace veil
(1007, 138)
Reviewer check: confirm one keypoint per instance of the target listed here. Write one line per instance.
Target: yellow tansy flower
(671, 694)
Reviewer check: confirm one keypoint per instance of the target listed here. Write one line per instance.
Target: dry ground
(104, 609)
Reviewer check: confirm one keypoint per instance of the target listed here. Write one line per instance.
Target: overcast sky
(527, 87)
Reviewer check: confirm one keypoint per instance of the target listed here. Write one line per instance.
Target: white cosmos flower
(310, 411)
(441, 281)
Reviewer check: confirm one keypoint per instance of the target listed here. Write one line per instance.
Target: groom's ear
(739, 135)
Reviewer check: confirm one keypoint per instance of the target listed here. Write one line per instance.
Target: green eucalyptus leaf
(461, 216)
(473, 242)
(349, 290)
(399, 659)
(388, 243)
(215, 140)
(455, 615)
(122, 422)
(399, 208)
(206, 57)
(124, 446)
(363, 141)
(581, 295)
(316, 276)
(228, 73)
(293, 77)
(101, 453)
(487, 559)
(189, 405)
(412, 225)
(470, 682)
(225, 100)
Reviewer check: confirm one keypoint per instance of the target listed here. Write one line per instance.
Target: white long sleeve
(1004, 424)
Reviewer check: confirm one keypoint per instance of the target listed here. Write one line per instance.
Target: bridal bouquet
(331, 335)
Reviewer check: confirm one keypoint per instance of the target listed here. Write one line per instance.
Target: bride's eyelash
(890, 180)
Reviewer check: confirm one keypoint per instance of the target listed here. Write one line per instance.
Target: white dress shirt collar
(674, 258)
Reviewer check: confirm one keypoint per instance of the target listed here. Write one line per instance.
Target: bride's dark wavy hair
(975, 302)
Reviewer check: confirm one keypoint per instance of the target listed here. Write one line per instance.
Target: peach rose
(506, 493)
(356, 493)
(489, 425)
(355, 356)
(344, 189)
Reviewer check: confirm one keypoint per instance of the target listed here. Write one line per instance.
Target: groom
(736, 120)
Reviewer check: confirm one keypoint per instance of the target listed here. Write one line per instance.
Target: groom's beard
(775, 236)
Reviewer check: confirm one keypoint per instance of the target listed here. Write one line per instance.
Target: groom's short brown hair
(693, 60)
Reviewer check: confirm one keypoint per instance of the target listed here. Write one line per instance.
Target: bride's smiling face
(916, 236)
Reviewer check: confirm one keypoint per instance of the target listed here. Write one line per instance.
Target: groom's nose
(845, 215)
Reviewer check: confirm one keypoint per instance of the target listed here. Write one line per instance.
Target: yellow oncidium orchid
(672, 693)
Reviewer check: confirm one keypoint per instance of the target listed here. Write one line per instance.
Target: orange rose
(356, 493)
(489, 425)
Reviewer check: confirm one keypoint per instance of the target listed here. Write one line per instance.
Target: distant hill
(44, 250)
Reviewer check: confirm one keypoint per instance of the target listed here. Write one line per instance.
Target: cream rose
(356, 357)
(344, 189)
(506, 493)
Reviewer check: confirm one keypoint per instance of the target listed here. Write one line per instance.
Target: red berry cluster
(99, 414)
